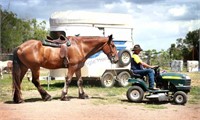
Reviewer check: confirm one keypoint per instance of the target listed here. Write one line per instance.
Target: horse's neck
(92, 45)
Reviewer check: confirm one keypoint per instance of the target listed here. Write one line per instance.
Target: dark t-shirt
(136, 62)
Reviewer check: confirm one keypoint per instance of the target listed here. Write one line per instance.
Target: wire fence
(4, 57)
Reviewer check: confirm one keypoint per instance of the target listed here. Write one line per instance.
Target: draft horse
(33, 55)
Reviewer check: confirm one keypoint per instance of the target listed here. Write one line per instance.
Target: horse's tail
(16, 71)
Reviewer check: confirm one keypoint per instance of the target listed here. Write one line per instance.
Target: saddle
(60, 40)
(63, 43)
(56, 42)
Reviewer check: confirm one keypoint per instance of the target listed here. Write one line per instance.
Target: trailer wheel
(107, 80)
(135, 94)
(180, 98)
(123, 78)
(124, 58)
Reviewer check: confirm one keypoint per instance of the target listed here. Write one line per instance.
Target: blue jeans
(149, 72)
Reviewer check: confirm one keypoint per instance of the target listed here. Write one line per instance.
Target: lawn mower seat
(133, 75)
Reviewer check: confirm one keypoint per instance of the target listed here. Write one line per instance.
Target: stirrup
(66, 62)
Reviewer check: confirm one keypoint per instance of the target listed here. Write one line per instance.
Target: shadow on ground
(31, 100)
(155, 102)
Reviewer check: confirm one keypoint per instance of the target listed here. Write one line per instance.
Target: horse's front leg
(66, 85)
(81, 92)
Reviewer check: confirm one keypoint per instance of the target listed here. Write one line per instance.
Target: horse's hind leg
(35, 80)
(17, 84)
(81, 92)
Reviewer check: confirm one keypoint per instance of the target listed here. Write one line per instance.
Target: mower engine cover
(180, 81)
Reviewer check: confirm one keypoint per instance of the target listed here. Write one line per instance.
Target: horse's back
(30, 43)
(32, 52)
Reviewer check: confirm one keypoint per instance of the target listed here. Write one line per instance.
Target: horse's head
(110, 50)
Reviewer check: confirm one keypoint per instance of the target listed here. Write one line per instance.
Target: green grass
(98, 95)
(5, 88)
(194, 95)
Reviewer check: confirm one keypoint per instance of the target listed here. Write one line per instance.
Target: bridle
(111, 53)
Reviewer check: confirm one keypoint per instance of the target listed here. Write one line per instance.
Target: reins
(116, 78)
(111, 51)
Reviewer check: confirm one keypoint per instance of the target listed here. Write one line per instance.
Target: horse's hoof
(19, 101)
(47, 98)
(64, 99)
(83, 96)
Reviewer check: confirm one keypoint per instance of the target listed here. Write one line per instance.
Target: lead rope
(115, 73)
(116, 76)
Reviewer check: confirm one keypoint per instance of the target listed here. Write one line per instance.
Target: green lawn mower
(172, 87)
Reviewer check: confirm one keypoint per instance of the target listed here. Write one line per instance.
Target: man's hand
(153, 67)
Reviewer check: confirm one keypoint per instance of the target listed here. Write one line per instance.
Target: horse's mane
(85, 38)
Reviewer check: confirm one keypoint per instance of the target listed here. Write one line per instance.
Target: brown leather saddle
(60, 40)
(63, 43)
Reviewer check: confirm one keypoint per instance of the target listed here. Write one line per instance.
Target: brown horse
(33, 55)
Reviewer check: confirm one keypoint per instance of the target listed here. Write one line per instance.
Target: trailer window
(56, 34)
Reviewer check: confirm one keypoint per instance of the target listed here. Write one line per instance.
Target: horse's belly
(52, 60)
(53, 64)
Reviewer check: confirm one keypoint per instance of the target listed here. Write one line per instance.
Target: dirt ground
(79, 109)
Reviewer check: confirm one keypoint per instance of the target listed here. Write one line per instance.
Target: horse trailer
(98, 66)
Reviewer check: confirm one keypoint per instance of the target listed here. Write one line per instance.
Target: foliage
(15, 31)
(187, 48)
(160, 58)
(175, 52)
(184, 49)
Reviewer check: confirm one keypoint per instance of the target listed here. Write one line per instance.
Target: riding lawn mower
(172, 87)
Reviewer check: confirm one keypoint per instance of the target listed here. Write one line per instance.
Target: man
(137, 66)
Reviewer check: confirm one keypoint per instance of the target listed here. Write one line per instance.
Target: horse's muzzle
(114, 59)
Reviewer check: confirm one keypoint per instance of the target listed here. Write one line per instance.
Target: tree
(191, 40)
(186, 49)
(175, 52)
(160, 58)
(15, 31)
(163, 58)
(38, 30)
(151, 55)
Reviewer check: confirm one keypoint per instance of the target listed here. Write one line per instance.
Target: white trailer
(98, 66)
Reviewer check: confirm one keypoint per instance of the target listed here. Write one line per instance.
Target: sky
(157, 23)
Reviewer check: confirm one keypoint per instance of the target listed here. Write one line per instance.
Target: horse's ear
(110, 38)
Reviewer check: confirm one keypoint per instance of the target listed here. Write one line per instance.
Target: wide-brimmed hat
(137, 47)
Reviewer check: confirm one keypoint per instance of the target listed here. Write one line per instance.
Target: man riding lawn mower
(170, 86)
